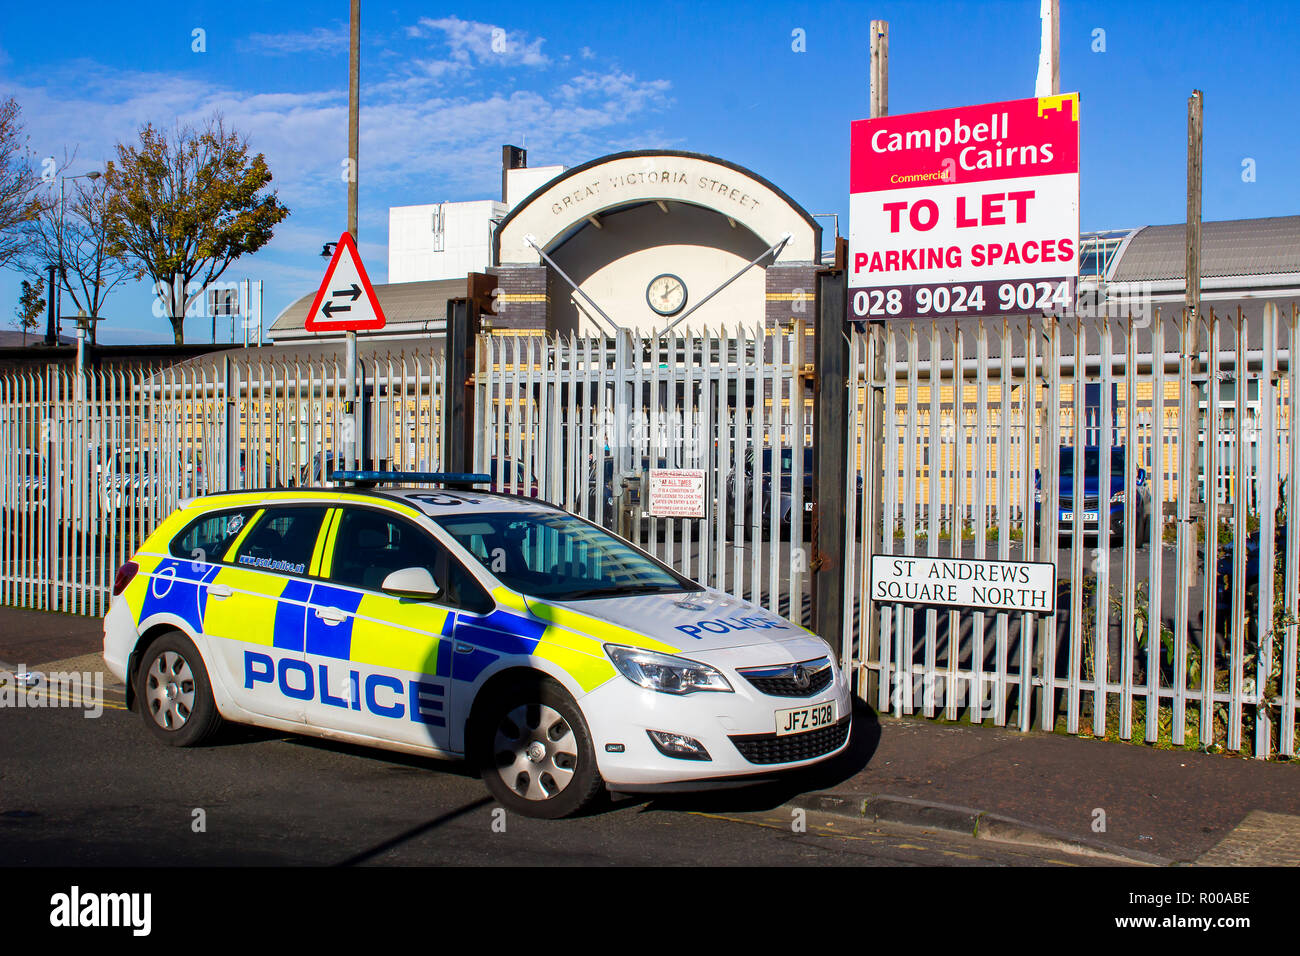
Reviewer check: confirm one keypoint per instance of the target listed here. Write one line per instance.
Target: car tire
(535, 752)
(174, 693)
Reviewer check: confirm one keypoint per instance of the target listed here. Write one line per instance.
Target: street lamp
(57, 293)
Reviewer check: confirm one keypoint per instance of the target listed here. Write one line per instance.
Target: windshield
(787, 460)
(1092, 461)
(554, 555)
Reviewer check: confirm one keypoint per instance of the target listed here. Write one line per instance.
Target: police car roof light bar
(366, 479)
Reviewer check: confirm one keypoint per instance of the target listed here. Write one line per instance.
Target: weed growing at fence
(1258, 700)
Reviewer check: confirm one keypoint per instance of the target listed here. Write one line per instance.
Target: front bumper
(737, 729)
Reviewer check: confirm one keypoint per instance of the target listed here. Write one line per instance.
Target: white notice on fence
(1021, 586)
(677, 492)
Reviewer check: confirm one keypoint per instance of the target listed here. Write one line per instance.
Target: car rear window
(207, 537)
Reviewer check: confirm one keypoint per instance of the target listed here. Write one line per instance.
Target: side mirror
(1142, 476)
(411, 582)
(1038, 477)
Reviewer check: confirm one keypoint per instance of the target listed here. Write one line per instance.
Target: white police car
(465, 624)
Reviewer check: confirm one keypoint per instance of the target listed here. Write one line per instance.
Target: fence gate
(580, 421)
(1160, 632)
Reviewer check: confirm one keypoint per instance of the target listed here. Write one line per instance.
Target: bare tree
(69, 229)
(18, 181)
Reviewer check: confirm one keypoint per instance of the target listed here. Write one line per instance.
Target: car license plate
(799, 720)
(1087, 516)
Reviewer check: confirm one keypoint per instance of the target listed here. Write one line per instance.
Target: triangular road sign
(345, 301)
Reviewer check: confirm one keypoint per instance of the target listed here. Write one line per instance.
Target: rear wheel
(535, 751)
(174, 692)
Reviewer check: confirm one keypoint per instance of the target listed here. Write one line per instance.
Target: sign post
(965, 212)
(354, 141)
(346, 302)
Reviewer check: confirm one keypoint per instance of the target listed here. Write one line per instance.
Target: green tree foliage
(30, 306)
(183, 206)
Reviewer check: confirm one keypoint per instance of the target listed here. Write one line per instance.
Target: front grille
(769, 748)
(1090, 502)
(786, 686)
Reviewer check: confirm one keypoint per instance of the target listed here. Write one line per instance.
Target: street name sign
(965, 212)
(1022, 586)
(346, 301)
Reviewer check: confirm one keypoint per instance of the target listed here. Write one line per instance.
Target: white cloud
(429, 131)
(318, 40)
(469, 41)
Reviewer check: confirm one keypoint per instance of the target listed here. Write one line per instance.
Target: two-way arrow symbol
(329, 308)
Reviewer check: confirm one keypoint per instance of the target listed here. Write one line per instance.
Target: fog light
(678, 745)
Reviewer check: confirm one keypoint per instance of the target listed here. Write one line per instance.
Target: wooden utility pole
(1194, 127)
(350, 456)
(879, 68)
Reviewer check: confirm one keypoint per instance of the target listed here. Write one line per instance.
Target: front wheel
(535, 751)
(174, 692)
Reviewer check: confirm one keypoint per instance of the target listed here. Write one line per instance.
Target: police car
(464, 624)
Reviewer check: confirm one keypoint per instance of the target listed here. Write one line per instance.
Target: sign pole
(1191, 323)
(350, 454)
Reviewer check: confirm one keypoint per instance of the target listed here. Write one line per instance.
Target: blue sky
(580, 80)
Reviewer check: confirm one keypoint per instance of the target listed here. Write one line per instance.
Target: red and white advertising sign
(969, 211)
(345, 301)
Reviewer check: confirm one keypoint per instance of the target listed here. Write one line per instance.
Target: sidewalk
(1159, 806)
(32, 638)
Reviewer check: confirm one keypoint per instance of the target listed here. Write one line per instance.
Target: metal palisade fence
(1176, 608)
(581, 420)
(91, 462)
(1174, 624)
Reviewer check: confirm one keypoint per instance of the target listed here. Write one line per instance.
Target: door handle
(331, 615)
(220, 591)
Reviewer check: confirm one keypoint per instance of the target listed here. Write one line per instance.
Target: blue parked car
(1097, 511)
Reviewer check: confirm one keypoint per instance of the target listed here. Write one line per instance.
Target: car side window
(207, 537)
(463, 590)
(282, 540)
(370, 545)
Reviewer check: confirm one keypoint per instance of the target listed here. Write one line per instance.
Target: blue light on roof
(411, 477)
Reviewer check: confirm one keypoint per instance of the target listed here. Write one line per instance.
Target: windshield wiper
(617, 591)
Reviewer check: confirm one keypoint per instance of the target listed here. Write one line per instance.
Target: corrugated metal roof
(402, 302)
(1236, 247)
(311, 352)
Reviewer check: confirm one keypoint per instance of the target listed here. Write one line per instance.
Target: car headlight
(664, 672)
(1117, 498)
